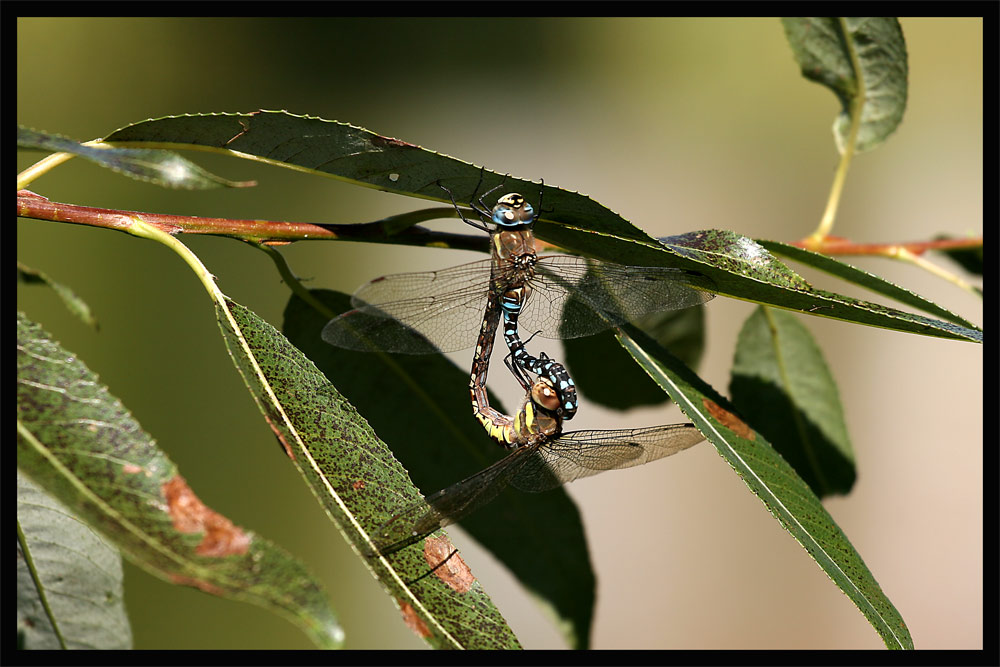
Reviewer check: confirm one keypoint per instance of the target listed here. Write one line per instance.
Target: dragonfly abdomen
(553, 372)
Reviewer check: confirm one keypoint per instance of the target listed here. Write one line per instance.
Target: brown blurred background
(676, 124)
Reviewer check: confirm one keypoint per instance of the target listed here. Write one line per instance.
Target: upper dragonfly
(420, 313)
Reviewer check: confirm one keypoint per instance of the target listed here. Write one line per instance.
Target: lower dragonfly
(542, 458)
(421, 313)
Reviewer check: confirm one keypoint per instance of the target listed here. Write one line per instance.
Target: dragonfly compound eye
(512, 210)
(545, 395)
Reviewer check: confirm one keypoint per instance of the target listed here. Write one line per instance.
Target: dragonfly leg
(541, 193)
(518, 372)
(483, 209)
(477, 225)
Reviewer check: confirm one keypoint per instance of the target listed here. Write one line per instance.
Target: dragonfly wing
(604, 294)
(450, 504)
(442, 310)
(417, 326)
(405, 286)
(583, 453)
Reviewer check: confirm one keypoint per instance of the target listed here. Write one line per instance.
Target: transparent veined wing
(415, 313)
(604, 294)
(450, 504)
(583, 453)
(421, 313)
(540, 466)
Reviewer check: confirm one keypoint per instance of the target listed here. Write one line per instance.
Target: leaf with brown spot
(768, 476)
(729, 420)
(81, 445)
(448, 565)
(539, 538)
(413, 620)
(353, 474)
(190, 515)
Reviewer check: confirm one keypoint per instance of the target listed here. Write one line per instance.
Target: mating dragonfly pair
(555, 296)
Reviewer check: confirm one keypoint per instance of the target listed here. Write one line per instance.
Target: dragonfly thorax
(511, 245)
(513, 210)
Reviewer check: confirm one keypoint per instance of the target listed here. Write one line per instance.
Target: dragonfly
(423, 313)
(543, 457)
(553, 389)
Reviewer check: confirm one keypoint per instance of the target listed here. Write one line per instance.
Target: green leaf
(863, 61)
(742, 268)
(737, 266)
(163, 168)
(73, 303)
(783, 387)
(79, 443)
(538, 537)
(346, 152)
(864, 279)
(69, 579)
(359, 483)
(787, 497)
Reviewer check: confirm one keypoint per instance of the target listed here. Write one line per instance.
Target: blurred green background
(676, 124)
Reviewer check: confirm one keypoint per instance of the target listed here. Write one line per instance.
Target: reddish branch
(836, 245)
(31, 205)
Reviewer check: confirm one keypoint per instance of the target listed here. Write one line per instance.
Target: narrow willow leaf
(163, 168)
(359, 483)
(79, 443)
(346, 152)
(862, 278)
(787, 497)
(738, 266)
(539, 538)
(862, 60)
(783, 387)
(73, 303)
(69, 579)
(741, 268)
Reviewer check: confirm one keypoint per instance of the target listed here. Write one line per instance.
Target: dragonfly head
(562, 405)
(513, 210)
(544, 395)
